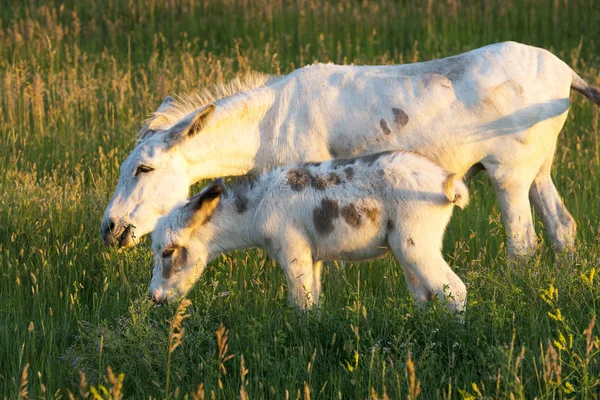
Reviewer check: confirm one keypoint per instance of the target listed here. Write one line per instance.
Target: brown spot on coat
(349, 171)
(324, 216)
(321, 182)
(372, 214)
(410, 241)
(241, 203)
(400, 117)
(351, 215)
(385, 127)
(334, 178)
(298, 178)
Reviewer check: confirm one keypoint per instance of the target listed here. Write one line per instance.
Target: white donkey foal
(500, 107)
(351, 209)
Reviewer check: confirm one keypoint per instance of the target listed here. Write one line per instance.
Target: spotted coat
(307, 213)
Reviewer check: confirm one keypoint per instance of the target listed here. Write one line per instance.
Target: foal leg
(415, 286)
(426, 270)
(559, 223)
(317, 268)
(295, 258)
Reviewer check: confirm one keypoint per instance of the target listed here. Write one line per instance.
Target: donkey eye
(142, 169)
(168, 252)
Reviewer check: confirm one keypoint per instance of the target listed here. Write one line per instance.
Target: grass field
(76, 81)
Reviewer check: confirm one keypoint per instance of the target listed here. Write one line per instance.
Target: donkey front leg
(512, 189)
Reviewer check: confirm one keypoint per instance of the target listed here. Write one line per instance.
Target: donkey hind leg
(512, 189)
(427, 272)
(559, 223)
(299, 269)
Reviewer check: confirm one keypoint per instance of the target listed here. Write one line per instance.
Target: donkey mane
(184, 104)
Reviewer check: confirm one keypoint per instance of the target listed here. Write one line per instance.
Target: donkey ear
(200, 119)
(201, 206)
(166, 103)
(190, 126)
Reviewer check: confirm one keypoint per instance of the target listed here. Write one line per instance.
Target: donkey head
(153, 179)
(180, 244)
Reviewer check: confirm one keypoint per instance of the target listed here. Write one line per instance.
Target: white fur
(304, 214)
(500, 107)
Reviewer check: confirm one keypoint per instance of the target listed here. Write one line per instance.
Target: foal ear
(201, 206)
(190, 126)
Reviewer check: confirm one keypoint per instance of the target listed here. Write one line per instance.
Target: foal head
(180, 244)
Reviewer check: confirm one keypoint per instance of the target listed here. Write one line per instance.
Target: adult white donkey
(500, 107)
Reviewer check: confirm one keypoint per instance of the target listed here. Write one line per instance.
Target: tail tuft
(586, 89)
(456, 191)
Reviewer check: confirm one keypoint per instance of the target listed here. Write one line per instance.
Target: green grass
(78, 78)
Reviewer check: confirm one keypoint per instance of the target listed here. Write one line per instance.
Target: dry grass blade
(589, 342)
(116, 381)
(414, 388)
(199, 395)
(375, 396)
(84, 389)
(552, 366)
(176, 332)
(176, 335)
(306, 391)
(23, 392)
(243, 373)
(223, 345)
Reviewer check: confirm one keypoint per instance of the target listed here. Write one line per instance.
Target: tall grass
(77, 79)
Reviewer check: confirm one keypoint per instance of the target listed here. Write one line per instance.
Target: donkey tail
(456, 191)
(586, 89)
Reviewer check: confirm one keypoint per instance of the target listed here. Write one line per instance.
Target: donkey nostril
(108, 226)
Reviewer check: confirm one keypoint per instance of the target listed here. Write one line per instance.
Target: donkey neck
(233, 225)
(228, 145)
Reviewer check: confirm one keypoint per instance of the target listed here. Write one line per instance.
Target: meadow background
(77, 78)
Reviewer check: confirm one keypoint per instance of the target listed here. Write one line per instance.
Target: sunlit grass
(78, 78)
